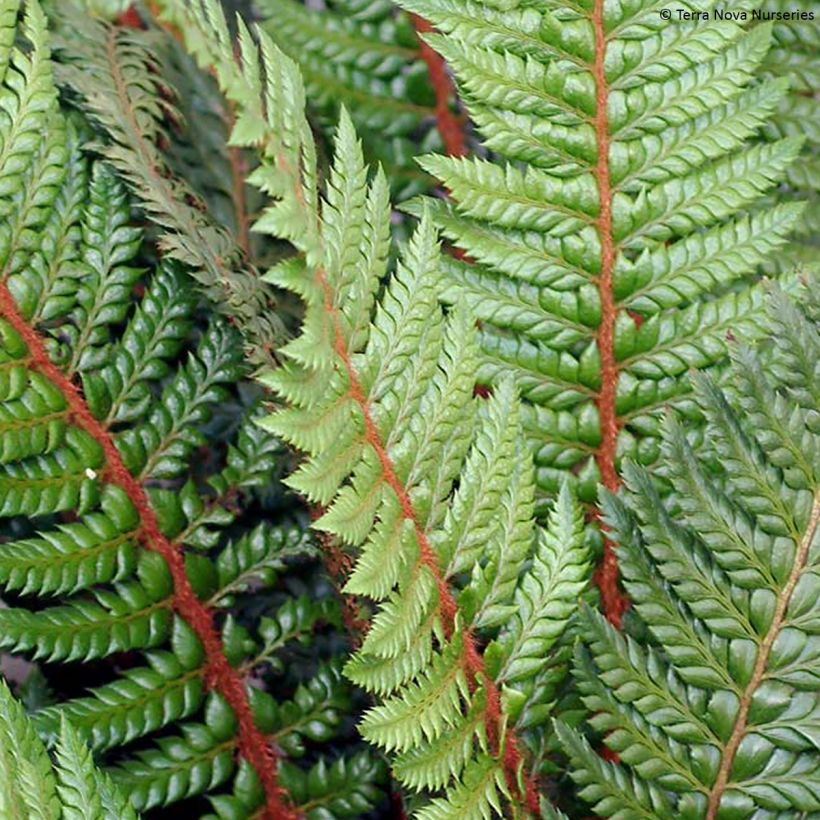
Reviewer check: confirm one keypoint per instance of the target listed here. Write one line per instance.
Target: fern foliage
(793, 55)
(30, 786)
(116, 79)
(365, 56)
(124, 495)
(407, 466)
(614, 240)
(716, 715)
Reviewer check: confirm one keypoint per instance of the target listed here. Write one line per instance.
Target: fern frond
(617, 236)
(710, 717)
(113, 72)
(112, 377)
(409, 465)
(74, 788)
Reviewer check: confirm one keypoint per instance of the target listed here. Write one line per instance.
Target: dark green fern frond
(31, 786)
(407, 465)
(717, 716)
(616, 241)
(115, 76)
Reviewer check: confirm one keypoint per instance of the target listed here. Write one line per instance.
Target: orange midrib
(219, 673)
(473, 663)
(613, 601)
(449, 124)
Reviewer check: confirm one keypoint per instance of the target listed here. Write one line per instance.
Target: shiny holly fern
(613, 246)
(716, 716)
(72, 789)
(428, 486)
(365, 56)
(121, 531)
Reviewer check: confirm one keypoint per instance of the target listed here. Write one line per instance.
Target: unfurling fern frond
(31, 787)
(717, 716)
(614, 244)
(121, 495)
(408, 467)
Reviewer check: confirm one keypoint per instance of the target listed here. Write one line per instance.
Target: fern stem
(761, 662)
(449, 125)
(448, 609)
(218, 673)
(238, 173)
(614, 602)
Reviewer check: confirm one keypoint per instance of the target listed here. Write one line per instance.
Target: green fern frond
(74, 789)
(113, 73)
(409, 466)
(711, 717)
(616, 236)
(112, 378)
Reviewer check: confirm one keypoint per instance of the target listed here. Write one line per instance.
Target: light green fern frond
(29, 787)
(408, 466)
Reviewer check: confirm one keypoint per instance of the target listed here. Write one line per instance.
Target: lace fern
(407, 465)
(717, 715)
(615, 242)
(122, 535)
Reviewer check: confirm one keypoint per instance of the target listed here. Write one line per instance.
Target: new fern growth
(615, 241)
(409, 468)
(716, 716)
(125, 534)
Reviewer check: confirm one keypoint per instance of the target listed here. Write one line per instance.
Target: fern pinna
(123, 539)
(31, 787)
(614, 243)
(793, 55)
(409, 468)
(716, 717)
